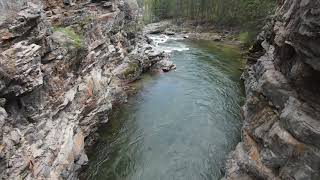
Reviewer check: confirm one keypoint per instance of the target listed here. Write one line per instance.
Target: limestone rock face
(63, 65)
(282, 112)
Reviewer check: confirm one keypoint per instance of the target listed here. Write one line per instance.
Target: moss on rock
(72, 35)
(131, 69)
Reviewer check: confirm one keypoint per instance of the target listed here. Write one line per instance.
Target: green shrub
(246, 38)
(69, 32)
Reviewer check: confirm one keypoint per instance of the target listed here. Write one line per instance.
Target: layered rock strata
(281, 131)
(62, 68)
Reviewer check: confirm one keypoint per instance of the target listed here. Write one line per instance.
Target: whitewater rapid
(169, 44)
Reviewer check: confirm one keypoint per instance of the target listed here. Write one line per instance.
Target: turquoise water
(181, 125)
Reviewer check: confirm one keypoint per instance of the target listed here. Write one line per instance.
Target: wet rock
(168, 32)
(165, 65)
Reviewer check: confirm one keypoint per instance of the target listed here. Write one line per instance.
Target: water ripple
(181, 126)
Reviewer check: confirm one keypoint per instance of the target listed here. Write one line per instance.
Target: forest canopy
(240, 13)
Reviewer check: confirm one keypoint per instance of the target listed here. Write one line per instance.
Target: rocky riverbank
(192, 32)
(63, 65)
(280, 135)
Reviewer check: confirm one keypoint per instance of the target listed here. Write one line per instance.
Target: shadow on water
(181, 125)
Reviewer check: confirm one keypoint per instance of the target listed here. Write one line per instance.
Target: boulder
(165, 65)
(156, 28)
(128, 71)
(169, 33)
(216, 38)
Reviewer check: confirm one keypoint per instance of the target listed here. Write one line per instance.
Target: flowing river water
(181, 125)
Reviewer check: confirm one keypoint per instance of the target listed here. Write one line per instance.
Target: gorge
(181, 125)
(87, 92)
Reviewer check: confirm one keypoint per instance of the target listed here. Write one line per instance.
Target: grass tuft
(69, 32)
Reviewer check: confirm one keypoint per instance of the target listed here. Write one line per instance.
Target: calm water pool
(181, 125)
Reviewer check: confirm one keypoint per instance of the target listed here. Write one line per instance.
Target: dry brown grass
(300, 149)
(90, 89)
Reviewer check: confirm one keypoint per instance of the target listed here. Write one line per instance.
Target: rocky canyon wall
(281, 130)
(62, 68)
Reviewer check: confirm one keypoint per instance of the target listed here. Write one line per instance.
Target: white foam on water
(160, 41)
(171, 49)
